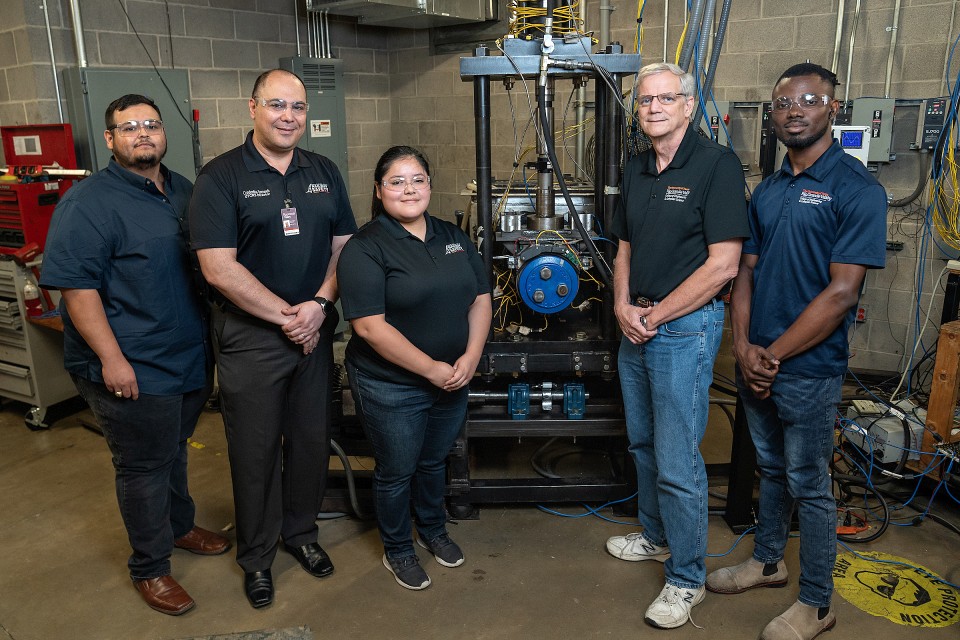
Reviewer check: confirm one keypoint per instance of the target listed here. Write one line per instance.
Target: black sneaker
(444, 550)
(408, 572)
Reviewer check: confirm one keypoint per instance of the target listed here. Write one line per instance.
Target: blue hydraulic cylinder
(548, 283)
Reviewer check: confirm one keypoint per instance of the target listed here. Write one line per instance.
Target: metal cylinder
(481, 112)
(78, 33)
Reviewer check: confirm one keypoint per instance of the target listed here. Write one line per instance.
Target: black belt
(645, 303)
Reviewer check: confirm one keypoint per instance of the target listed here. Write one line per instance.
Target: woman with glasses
(418, 300)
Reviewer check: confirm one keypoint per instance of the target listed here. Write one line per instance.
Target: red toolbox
(28, 194)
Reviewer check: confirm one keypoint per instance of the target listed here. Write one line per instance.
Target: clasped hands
(303, 327)
(634, 323)
(759, 368)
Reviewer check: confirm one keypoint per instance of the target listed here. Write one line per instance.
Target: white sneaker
(633, 547)
(672, 607)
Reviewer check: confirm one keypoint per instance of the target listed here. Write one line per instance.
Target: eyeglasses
(279, 106)
(131, 128)
(665, 99)
(399, 183)
(804, 101)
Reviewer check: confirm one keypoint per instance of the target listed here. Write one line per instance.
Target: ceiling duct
(410, 14)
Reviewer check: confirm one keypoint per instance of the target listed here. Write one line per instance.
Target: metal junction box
(877, 115)
(327, 118)
(89, 91)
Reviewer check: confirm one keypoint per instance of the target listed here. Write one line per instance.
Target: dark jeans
(148, 439)
(411, 430)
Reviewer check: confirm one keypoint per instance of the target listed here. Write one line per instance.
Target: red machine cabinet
(26, 205)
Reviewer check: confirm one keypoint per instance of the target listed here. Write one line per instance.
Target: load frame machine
(549, 368)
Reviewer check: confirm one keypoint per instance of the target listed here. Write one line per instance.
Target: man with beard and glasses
(816, 226)
(135, 337)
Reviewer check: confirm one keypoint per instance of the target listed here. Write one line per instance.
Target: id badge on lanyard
(288, 218)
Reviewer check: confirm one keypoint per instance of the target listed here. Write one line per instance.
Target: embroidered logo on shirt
(256, 193)
(454, 248)
(676, 194)
(318, 188)
(807, 196)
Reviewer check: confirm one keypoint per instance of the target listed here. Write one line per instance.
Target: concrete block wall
(396, 92)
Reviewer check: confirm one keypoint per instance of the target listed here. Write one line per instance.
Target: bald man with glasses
(680, 223)
(269, 220)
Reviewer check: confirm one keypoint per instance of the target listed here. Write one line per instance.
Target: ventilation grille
(319, 77)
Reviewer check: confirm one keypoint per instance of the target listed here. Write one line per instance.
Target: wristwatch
(325, 305)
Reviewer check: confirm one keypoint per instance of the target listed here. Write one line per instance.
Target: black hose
(885, 518)
(921, 185)
(601, 264)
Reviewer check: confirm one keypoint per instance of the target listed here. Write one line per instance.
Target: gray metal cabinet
(31, 357)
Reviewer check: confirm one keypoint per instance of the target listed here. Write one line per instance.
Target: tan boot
(799, 622)
(746, 575)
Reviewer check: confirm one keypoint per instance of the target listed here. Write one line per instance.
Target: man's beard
(803, 140)
(145, 162)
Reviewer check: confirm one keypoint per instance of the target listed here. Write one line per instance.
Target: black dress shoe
(313, 559)
(259, 588)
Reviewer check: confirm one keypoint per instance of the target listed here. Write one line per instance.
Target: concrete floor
(528, 574)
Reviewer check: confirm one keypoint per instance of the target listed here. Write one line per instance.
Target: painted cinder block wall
(396, 92)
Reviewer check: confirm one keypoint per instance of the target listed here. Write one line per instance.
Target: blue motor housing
(548, 283)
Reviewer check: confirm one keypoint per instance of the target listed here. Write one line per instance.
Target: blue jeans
(148, 440)
(666, 384)
(792, 431)
(411, 429)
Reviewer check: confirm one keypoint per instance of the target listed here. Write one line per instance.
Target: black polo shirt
(669, 218)
(237, 203)
(115, 232)
(423, 288)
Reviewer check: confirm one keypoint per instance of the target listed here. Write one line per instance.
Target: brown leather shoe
(203, 542)
(165, 595)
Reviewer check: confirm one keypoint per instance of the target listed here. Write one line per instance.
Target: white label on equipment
(320, 129)
(27, 145)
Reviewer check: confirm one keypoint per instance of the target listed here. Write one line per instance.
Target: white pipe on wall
(78, 33)
(839, 33)
(53, 60)
(853, 38)
(893, 45)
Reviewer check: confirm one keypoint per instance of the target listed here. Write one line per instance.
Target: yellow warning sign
(908, 595)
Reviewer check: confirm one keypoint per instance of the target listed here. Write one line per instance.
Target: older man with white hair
(680, 224)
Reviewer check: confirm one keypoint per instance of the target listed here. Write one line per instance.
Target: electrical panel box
(715, 121)
(88, 91)
(767, 159)
(327, 118)
(877, 115)
(933, 115)
(884, 435)
(855, 141)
